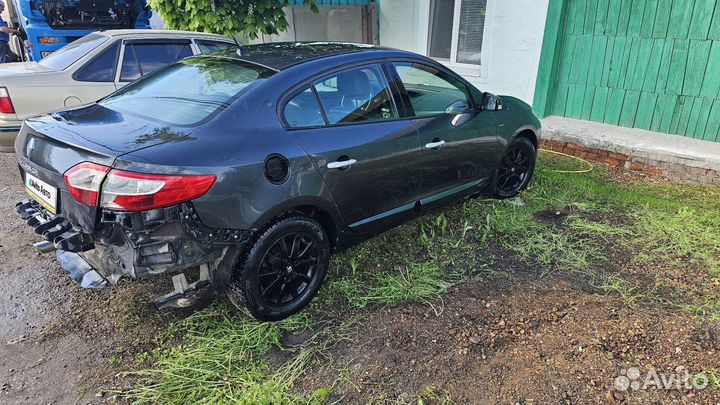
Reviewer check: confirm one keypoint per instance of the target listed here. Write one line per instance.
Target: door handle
(342, 164)
(435, 145)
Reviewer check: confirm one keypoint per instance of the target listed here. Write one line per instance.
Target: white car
(89, 69)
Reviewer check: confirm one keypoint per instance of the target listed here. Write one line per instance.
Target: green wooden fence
(651, 64)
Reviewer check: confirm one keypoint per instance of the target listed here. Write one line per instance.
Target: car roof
(282, 55)
(149, 33)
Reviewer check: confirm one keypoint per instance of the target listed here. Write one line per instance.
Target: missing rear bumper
(142, 244)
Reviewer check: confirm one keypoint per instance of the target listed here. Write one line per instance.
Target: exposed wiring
(589, 169)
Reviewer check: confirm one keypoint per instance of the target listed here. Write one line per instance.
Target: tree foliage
(226, 17)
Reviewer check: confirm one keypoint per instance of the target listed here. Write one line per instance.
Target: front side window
(102, 68)
(142, 58)
(188, 92)
(431, 91)
(358, 94)
(303, 111)
(456, 30)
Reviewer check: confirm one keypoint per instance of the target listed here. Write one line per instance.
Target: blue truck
(47, 25)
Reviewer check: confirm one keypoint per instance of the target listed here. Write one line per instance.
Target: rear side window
(142, 58)
(102, 68)
(358, 94)
(303, 111)
(213, 46)
(188, 92)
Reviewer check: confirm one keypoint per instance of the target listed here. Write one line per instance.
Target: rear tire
(515, 169)
(282, 271)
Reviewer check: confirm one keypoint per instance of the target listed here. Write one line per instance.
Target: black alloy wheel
(282, 270)
(287, 268)
(516, 168)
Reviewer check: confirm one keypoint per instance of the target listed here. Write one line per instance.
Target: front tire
(283, 269)
(515, 169)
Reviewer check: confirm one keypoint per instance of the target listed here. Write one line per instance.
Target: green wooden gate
(651, 64)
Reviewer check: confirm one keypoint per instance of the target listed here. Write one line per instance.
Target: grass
(217, 356)
(222, 359)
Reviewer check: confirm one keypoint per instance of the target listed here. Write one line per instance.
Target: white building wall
(511, 45)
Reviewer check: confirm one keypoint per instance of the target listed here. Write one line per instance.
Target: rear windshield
(189, 91)
(70, 53)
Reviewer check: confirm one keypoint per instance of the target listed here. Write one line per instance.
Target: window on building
(456, 29)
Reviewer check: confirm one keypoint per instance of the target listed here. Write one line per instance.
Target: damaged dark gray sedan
(239, 173)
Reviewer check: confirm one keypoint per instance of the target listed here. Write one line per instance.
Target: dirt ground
(518, 338)
(521, 341)
(57, 340)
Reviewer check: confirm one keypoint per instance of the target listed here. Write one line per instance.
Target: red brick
(636, 166)
(698, 171)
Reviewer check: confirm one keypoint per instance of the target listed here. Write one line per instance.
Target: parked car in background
(89, 69)
(48, 25)
(245, 170)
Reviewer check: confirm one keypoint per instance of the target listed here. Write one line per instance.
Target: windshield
(70, 53)
(189, 91)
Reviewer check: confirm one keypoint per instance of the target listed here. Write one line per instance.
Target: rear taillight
(83, 182)
(128, 191)
(92, 184)
(6, 105)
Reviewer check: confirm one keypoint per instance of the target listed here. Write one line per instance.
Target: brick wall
(673, 171)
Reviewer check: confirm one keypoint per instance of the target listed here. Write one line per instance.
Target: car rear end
(107, 222)
(136, 225)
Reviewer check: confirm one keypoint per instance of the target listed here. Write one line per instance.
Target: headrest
(354, 83)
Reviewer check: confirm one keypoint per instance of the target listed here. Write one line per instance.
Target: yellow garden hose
(590, 165)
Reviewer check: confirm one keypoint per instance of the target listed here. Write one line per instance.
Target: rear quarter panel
(235, 149)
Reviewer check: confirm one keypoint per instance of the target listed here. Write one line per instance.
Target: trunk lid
(22, 68)
(49, 145)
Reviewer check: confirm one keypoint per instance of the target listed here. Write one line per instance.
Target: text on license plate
(42, 192)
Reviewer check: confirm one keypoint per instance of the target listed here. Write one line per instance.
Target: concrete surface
(634, 142)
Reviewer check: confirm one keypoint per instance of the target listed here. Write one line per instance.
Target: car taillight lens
(129, 191)
(83, 182)
(6, 105)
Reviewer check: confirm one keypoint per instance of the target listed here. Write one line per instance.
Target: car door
(368, 157)
(141, 57)
(459, 142)
(95, 79)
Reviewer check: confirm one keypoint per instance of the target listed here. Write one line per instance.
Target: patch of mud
(539, 342)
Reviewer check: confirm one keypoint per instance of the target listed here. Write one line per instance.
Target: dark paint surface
(394, 171)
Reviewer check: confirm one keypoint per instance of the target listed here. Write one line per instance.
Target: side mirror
(458, 107)
(491, 102)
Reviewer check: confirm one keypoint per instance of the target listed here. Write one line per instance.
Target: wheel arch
(321, 211)
(528, 133)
